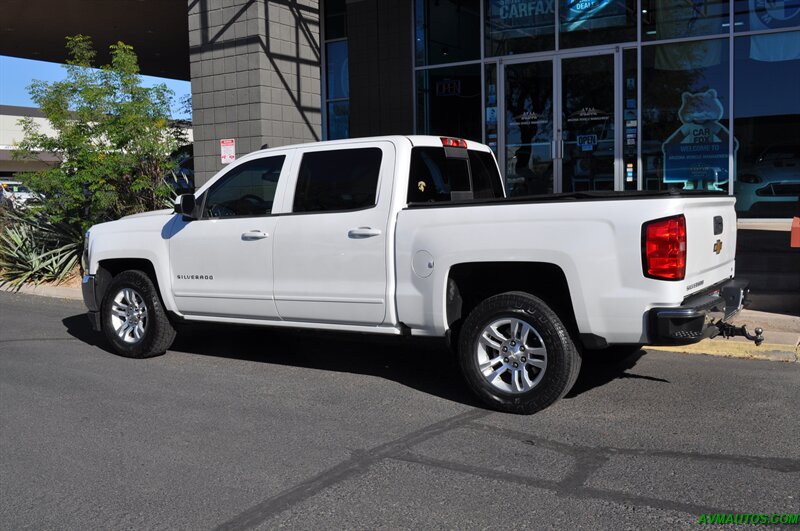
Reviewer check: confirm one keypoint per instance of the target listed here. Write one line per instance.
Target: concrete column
(255, 70)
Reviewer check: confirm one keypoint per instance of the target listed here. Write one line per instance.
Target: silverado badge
(718, 246)
(421, 186)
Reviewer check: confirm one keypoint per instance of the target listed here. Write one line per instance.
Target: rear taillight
(664, 248)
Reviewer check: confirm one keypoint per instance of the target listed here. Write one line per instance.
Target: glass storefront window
(673, 19)
(757, 15)
(491, 106)
(517, 26)
(337, 73)
(680, 133)
(336, 70)
(447, 31)
(338, 119)
(767, 123)
(630, 120)
(685, 110)
(593, 22)
(449, 102)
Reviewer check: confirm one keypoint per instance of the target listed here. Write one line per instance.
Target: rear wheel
(516, 354)
(134, 320)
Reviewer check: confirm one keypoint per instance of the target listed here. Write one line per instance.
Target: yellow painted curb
(736, 349)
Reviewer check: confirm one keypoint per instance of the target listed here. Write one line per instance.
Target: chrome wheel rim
(129, 315)
(511, 355)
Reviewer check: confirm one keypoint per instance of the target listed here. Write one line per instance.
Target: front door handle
(254, 235)
(363, 232)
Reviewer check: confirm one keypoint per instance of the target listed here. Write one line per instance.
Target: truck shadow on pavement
(596, 372)
(421, 364)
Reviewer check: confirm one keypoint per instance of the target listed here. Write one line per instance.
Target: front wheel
(134, 320)
(516, 354)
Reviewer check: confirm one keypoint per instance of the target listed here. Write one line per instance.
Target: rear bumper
(694, 320)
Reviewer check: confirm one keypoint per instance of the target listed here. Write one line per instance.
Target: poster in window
(696, 154)
(520, 18)
(592, 14)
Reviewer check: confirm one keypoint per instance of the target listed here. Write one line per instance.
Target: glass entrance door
(529, 126)
(561, 125)
(588, 139)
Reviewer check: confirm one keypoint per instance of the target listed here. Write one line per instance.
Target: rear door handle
(254, 235)
(363, 232)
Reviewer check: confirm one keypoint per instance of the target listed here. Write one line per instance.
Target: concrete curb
(58, 292)
(735, 349)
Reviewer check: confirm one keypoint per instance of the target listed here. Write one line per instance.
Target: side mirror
(185, 204)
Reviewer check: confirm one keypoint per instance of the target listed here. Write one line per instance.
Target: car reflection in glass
(770, 186)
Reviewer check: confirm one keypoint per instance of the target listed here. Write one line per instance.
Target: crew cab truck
(412, 235)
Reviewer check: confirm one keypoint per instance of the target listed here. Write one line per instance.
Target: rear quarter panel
(597, 245)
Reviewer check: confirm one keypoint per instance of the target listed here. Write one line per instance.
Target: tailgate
(710, 241)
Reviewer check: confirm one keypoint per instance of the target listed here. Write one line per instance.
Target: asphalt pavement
(238, 428)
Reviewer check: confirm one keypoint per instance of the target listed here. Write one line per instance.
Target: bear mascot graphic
(696, 154)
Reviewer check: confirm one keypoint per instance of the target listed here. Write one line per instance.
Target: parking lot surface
(239, 428)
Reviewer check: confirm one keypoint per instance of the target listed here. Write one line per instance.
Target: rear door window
(336, 180)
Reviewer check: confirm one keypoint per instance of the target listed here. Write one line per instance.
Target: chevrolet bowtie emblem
(718, 246)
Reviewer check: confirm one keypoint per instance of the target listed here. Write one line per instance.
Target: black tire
(563, 361)
(158, 333)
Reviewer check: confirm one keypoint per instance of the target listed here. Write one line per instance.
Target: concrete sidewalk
(781, 332)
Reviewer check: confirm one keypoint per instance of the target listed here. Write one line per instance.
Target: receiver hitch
(727, 330)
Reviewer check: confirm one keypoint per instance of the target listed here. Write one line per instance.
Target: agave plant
(34, 250)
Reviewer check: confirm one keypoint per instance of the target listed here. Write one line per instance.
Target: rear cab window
(440, 174)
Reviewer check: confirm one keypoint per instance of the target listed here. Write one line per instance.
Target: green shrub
(114, 138)
(34, 250)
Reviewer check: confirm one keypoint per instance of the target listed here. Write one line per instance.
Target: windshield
(16, 188)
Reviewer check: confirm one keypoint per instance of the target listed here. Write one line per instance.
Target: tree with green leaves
(114, 139)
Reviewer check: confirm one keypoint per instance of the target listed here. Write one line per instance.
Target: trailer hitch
(727, 330)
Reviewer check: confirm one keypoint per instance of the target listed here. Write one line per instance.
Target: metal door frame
(557, 149)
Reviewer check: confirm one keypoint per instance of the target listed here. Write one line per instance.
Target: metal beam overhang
(158, 30)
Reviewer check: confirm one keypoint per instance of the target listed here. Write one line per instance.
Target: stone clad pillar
(255, 71)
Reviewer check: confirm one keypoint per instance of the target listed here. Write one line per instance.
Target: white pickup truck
(413, 235)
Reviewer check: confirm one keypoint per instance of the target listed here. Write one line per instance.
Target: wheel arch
(470, 283)
(108, 268)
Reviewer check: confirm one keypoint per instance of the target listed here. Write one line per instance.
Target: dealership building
(572, 95)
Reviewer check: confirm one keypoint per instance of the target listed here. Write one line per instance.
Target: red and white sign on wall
(227, 150)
